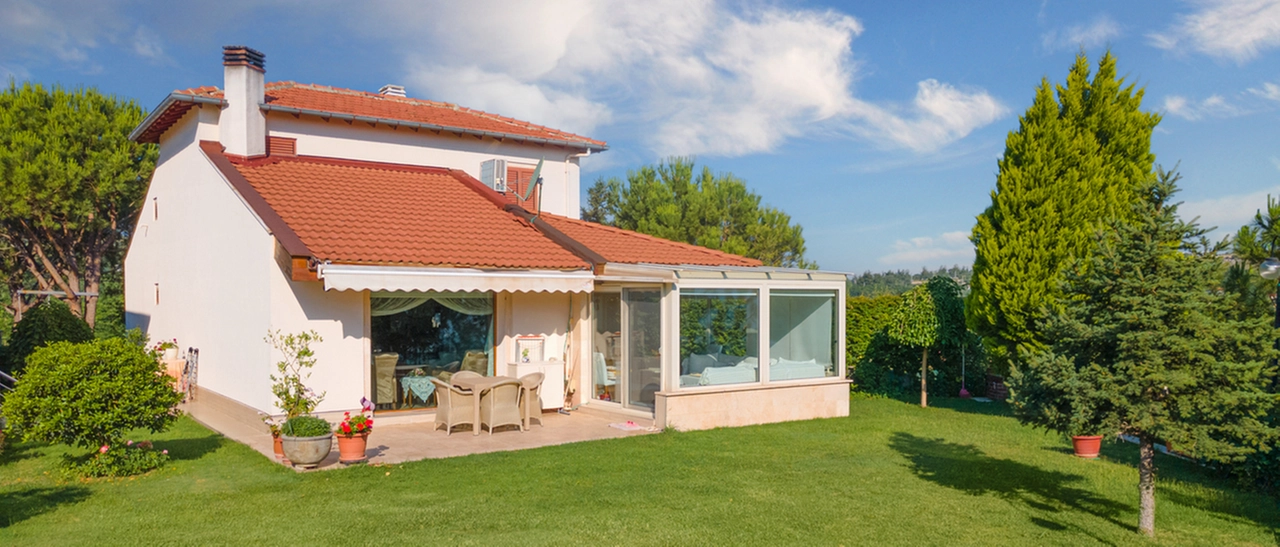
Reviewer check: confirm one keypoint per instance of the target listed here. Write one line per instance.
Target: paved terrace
(399, 437)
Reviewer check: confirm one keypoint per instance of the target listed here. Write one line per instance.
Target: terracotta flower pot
(1087, 446)
(277, 447)
(351, 448)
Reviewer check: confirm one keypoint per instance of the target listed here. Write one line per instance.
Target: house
(414, 238)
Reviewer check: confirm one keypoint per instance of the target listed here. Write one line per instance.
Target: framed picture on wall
(529, 348)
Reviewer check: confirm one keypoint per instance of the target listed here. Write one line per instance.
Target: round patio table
(478, 386)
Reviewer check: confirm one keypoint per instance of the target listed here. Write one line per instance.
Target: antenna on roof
(534, 182)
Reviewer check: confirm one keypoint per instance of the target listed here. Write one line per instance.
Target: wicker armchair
(464, 374)
(500, 405)
(384, 374)
(531, 398)
(475, 361)
(453, 406)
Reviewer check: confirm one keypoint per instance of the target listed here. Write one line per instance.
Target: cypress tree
(1077, 160)
(1146, 347)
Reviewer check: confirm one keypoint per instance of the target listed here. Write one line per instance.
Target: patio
(403, 437)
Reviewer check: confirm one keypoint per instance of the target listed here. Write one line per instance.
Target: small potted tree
(305, 439)
(353, 433)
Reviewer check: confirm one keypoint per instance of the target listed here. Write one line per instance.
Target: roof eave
(579, 145)
(163, 107)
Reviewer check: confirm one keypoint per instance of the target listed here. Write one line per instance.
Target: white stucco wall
(209, 255)
(342, 359)
(358, 141)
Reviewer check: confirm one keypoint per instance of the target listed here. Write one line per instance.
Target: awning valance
(350, 277)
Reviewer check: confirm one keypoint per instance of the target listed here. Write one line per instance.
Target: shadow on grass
(191, 448)
(18, 451)
(970, 406)
(21, 505)
(967, 469)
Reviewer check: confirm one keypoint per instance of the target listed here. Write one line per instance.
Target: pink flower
(104, 449)
(130, 443)
(165, 451)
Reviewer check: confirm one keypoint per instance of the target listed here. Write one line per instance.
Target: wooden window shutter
(518, 181)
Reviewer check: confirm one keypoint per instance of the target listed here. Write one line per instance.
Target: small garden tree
(929, 316)
(90, 395)
(1145, 348)
(51, 321)
(292, 395)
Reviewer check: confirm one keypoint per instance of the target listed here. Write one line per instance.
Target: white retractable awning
(347, 277)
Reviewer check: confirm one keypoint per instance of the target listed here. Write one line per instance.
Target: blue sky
(875, 125)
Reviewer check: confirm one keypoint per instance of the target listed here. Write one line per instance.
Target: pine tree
(1077, 160)
(1146, 347)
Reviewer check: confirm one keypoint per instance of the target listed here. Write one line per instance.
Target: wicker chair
(531, 398)
(453, 406)
(500, 405)
(463, 374)
(384, 374)
(475, 361)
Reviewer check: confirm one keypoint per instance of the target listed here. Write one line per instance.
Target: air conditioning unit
(493, 173)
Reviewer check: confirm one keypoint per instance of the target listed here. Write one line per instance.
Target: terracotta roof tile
(376, 213)
(623, 246)
(362, 103)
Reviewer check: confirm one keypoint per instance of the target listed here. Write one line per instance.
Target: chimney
(242, 127)
(392, 90)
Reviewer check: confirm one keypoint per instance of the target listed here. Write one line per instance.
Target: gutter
(163, 108)
(432, 127)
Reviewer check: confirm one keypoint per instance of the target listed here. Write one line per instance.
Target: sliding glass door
(626, 353)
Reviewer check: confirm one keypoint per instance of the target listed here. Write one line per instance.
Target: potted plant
(306, 440)
(273, 424)
(168, 349)
(1086, 446)
(353, 434)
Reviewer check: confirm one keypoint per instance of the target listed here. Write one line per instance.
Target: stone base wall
(751, 405)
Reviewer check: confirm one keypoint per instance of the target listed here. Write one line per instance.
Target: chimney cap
(392, 90)
(243, 56)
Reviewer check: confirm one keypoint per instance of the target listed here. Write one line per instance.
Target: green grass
(959, 473)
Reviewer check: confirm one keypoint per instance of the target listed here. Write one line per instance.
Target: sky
(876, 125)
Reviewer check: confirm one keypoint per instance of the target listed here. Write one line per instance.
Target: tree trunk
(924, 375)
(1146, 487)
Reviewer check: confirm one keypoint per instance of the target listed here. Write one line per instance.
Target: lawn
(959, 473)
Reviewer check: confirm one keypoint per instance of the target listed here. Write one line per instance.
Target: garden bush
(865, 316)
(121, 460)
(51, 321)
(305, 426)
(89, 395)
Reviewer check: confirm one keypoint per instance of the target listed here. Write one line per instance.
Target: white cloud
(1228, 213)
(695, 77)
(69, 31)
(1267, 91)
(947, 248)
(1213, 107)
(1234, 29)
(1097, 33)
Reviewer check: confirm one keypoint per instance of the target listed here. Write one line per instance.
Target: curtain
(391, 305)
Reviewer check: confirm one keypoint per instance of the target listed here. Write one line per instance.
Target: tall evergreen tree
(71, 185)
(1145, 347)
(714, 211)
(1077, 159)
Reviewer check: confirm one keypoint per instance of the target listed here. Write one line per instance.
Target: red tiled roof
(378, 213)
(318, 99)
(622, 246)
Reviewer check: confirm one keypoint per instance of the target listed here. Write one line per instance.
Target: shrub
(305, 426)
(122, 460)
(292, 396)
(51, 321)
(865, 316)
(90, 394)
(893, 369)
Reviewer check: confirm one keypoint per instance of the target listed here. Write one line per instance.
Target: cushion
(696, 363)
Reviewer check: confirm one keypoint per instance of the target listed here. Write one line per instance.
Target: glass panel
(606, 345)
(802, 334)
(719, 337)
(644, 346)
(419, 334)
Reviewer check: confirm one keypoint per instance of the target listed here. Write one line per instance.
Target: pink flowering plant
(121, 460)
(162, 345)
(360, 423)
